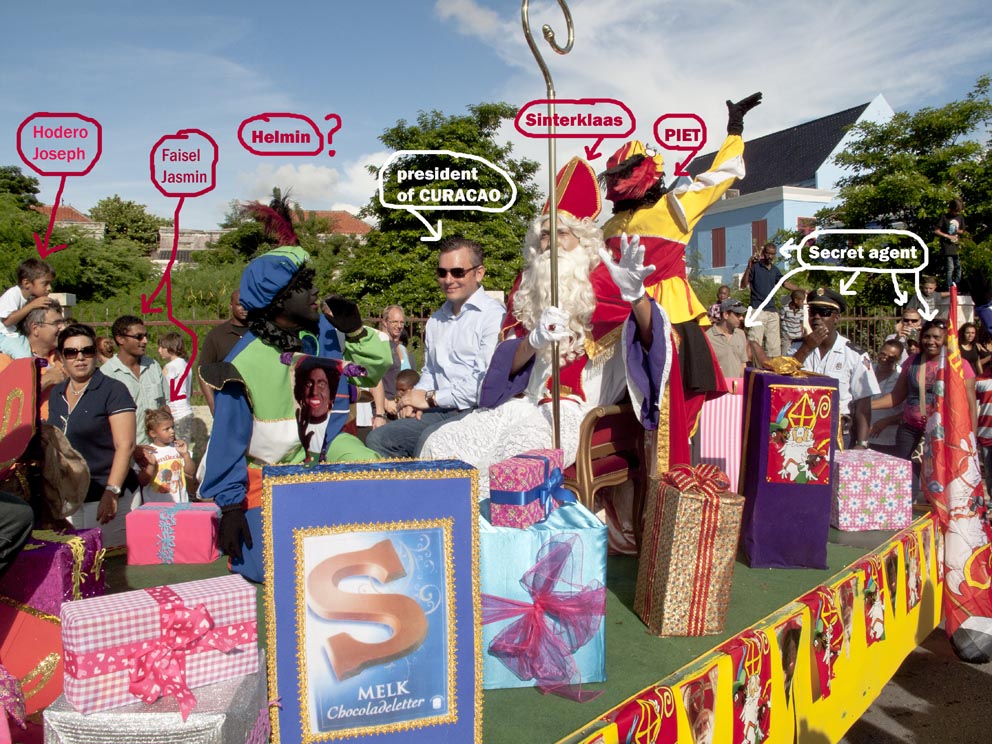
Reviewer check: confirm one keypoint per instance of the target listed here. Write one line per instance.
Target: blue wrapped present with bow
(526, 488)
(544, 602)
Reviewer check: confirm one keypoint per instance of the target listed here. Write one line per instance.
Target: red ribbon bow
(707, 480)
(160, 669)
(540, 644)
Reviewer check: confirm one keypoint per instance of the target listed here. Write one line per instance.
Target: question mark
(334, 128)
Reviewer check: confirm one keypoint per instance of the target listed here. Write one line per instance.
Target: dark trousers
(16, 520)
(906, 440)
(405, 437)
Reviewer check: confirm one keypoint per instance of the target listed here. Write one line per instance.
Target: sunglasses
(938, 324)
(822, 312)
(70, 353)
(910, 320)
(135, 336)
(457, 272)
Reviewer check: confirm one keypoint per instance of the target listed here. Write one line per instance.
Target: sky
(146, 70)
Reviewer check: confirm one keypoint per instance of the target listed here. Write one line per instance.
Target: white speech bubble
(435, 234)
(794, 250)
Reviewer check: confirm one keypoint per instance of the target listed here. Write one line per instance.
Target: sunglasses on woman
(70, 353)
(457, 272)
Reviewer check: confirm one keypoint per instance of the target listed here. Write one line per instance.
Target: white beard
(575, 296)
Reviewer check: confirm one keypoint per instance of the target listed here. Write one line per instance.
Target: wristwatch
(431, 397)
(116, 490)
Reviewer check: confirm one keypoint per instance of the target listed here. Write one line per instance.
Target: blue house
(791, 175)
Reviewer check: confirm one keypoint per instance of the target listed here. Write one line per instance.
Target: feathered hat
(631, 171)
(268, 274)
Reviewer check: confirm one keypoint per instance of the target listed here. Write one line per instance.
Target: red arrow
(147, 300)
(175, 386)
(593, 152)
(680, 167)
(42, 245)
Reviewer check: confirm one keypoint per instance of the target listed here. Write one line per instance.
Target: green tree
(904, 172)
(129, 220)
(24, 188)
(97, 270)
(17, 228)
(393, 264)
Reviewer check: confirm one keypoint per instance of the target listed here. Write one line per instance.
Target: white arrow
(751, 318)
(434, 234)
(845, 284)
(901, 297)
(785, 251)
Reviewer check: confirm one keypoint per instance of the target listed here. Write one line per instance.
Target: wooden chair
(611, 452)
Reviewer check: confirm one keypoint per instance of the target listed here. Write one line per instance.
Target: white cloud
(317, 186)
(667, 57)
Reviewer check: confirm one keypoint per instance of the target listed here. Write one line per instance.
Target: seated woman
(96, 413)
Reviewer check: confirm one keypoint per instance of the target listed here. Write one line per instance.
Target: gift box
(790, 431)
(720, 422)
(165, 640)
(526, 488)
(226, 713)
(691, 527)
(172, 533)
(872, 491)
(55, 567)
(543, 601)
(31, 650)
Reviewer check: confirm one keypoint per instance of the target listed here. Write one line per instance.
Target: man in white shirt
(885, 421)
(826, 352)
(460, 339)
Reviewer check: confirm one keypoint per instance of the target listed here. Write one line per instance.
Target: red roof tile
(342, 223)
(63, 213)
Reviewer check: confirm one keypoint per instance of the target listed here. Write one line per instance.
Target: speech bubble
(459, 172)
(60, 144)
(281, 134)
(576, 118)
(811, 256)
(184, 164)
(681, 133)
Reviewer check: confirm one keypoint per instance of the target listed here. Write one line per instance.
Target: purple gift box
(56, 567)
(526, 488)
(790, 430)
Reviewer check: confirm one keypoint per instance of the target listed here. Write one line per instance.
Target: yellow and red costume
(665, 229)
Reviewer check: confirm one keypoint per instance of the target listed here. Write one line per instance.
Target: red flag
(952, 482)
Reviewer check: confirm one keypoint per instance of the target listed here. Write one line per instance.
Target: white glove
(553, 326)
(629, 272)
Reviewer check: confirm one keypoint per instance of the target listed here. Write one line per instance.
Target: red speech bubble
(681, 133)
(60, 144)
(184, 163)
(576, 118)
(281, 134)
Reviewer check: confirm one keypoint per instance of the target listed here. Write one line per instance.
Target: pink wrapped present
(525, 489)
(158, 642)
(55, 567)
(720, 431)
(172, 533)
(872, 491)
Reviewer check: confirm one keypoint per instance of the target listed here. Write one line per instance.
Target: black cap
(826, 297)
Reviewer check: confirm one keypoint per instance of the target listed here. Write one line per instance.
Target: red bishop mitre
(631, 171)
(577, 191)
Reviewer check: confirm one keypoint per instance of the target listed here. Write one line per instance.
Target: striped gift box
(105, 638)
(687, 556)
(720, 431)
